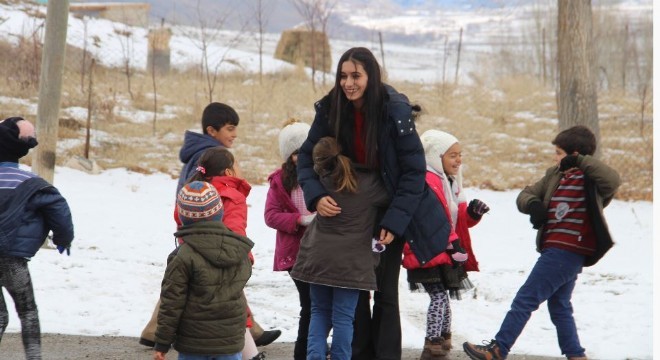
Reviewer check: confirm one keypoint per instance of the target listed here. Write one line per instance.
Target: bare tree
(205, 37)
(126, 41)
(324, 9)
(308, 10)
(458, 56)
(445, 52)
(382, 52)
(90, 108)
(261, 15)
(154, 84)
(577, 66)
(83, 64)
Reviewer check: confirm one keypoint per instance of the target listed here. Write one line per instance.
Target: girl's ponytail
(344, 175)
(328, 160)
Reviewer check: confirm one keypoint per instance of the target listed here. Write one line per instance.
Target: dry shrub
(23, 65)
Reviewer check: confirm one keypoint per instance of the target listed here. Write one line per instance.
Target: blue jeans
(332, 308)
(553, 279)
(236, 356)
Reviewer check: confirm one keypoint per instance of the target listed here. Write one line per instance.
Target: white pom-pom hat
(291, 138)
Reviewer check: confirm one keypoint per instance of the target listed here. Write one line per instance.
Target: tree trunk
(578, 99)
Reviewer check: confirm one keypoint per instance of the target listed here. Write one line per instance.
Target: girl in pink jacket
(285, 212)
(445, 275)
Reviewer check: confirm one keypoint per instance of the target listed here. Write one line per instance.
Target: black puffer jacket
(202, 309)
(402, 169)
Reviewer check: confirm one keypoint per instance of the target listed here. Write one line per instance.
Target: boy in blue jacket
(30, 208)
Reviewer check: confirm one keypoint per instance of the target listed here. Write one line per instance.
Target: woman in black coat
(374, 126)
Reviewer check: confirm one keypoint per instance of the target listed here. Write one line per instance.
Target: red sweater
(360, 154)
(568, 226)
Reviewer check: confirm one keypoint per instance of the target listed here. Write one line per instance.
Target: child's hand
(385, 237)
(327, 206)
(477, 208)
(159, 355)
(456, 251)
(537, 214)
(61, 249)
(568, 162)
(306, 219)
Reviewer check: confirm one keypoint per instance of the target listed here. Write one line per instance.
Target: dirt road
(71, 347)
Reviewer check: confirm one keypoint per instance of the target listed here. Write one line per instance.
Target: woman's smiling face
(353, 82)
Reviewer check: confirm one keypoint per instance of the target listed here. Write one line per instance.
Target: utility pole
(50, 88)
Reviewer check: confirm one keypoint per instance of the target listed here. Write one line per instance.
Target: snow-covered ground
(124, 226)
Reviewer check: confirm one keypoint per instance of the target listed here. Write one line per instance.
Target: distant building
(135, 14)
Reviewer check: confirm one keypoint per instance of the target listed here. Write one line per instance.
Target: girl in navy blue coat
(374, 126)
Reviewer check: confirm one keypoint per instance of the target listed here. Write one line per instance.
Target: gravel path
(72, 347)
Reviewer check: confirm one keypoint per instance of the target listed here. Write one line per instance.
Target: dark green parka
(202, 309)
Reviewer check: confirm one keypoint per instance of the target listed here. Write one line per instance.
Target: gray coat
(336, 251)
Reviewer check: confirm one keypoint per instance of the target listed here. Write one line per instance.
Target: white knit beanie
(291, 138)
(436, 143)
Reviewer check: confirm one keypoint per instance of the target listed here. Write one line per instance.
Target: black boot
(259, 356)
(267, 337)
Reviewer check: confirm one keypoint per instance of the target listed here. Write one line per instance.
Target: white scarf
(453, 191)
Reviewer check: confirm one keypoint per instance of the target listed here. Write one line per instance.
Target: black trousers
(300, 348)
(377, 334)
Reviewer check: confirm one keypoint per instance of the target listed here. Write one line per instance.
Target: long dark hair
(289, 174)
(328, 161)
(341, 116)
(213, 162)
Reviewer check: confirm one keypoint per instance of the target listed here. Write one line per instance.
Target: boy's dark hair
(218, 115)
(577, 138)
